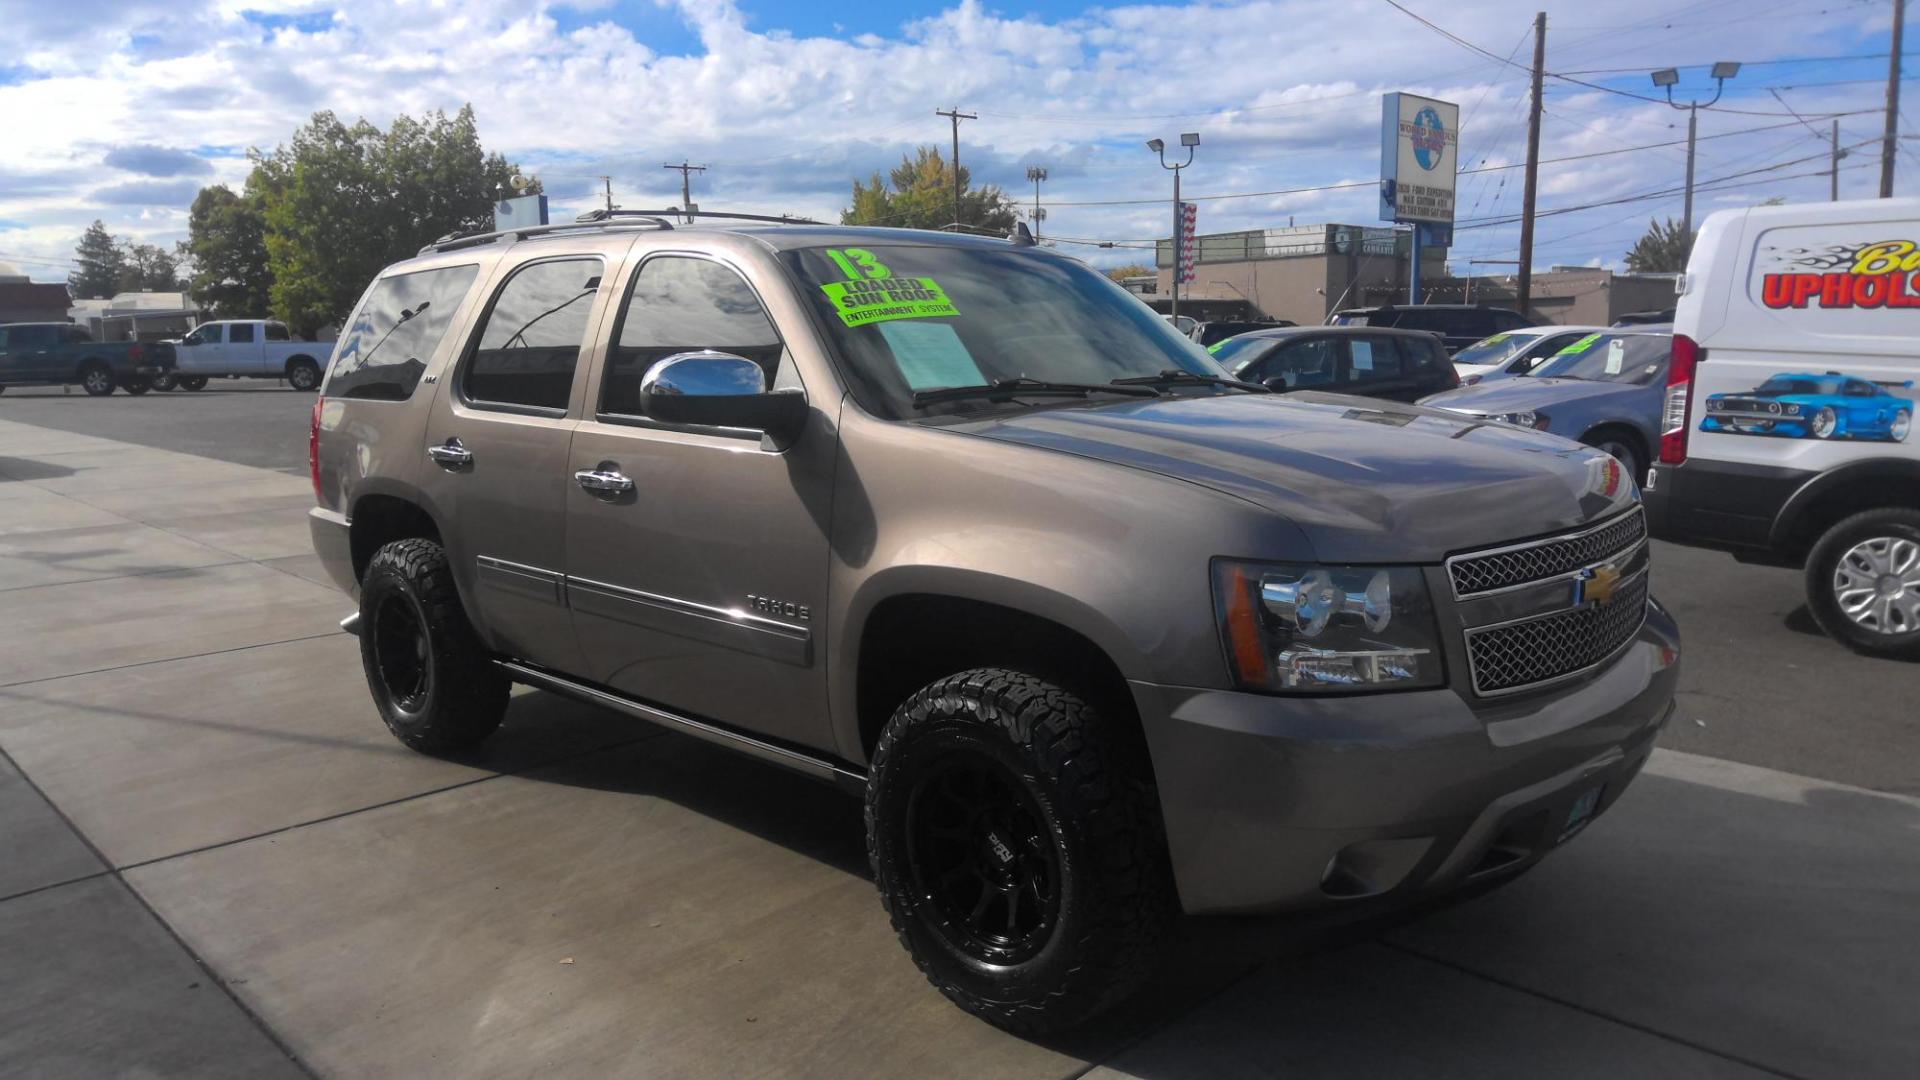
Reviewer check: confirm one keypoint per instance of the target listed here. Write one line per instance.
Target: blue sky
(120, 109)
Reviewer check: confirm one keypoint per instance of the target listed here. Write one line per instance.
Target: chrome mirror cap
(703, 373)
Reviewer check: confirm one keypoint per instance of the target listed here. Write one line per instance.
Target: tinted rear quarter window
(394, 333)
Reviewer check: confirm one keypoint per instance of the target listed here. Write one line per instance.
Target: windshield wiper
(1181, 375)
(1022, 386)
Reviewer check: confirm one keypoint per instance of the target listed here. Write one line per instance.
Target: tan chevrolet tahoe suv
(1099, 633)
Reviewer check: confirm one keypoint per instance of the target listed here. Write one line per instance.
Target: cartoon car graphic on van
(1819, 406)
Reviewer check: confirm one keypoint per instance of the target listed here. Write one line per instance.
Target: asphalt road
(1761, 684)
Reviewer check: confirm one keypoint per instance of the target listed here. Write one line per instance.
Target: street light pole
(1665, 78)
(1036, 174)
(1189, 139)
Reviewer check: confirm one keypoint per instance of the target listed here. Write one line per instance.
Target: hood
(1531, 393)
(1365, 480)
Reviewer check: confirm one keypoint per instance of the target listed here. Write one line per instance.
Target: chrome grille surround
(1511, 657)
(1481, 572)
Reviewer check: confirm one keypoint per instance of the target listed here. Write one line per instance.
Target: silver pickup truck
(247, 348)
(1099, 633)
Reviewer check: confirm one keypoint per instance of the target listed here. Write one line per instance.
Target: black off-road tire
(193, 382)
(1087, 786)
(408, 603)
(303, 374)
(1823, 562)
(136, 387)
(96, 378)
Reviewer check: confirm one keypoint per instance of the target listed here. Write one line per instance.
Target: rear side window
(1304, 364)
(531, 339)
(681, 304)
(240, 334)
(388, 342)
(1375, 359)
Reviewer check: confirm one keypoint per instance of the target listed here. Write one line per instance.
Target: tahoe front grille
(1541, 649)
(1522, 564)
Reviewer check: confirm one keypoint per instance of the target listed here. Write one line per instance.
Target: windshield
(1781, 387)
(911, 317)
(1623, 358)
(1494, 350)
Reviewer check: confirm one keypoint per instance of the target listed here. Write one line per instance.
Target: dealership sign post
(1419, 163)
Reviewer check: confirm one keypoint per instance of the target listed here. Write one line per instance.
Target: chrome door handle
(450, 453)
(603, 482)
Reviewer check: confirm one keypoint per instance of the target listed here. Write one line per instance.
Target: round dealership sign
(1429, 138)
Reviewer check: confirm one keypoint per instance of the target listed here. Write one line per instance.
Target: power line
(1716, 184)
(1744, 64)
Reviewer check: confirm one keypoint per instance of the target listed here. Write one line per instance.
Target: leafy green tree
(227, 240)
(1663, 250)
(1120, 273)
(101, 263)
(919, 195)
(342, 201)
(149, 267)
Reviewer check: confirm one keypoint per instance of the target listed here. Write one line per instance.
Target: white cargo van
(1788, 429)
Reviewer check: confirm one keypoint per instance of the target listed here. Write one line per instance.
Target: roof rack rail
(452, 242)
(592, 216)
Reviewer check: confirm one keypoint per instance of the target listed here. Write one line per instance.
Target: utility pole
(1037, 174)
(1834, 162)
(1890, 145)
(1524, 287)
(956, 116)
(686, 182)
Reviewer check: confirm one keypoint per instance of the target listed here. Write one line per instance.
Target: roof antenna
(1020, 235)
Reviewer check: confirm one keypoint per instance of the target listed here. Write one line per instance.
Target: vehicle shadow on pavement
(17, 469)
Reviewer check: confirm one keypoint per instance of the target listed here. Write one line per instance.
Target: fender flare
(1786, 521)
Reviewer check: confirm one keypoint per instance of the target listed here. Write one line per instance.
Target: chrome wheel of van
(1877, 584)
(1824, 422)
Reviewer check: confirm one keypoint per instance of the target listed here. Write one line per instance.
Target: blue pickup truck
(61, 354)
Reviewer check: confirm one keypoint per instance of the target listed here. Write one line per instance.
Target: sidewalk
(215, 862)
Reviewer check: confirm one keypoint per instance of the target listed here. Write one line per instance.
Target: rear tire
(96, 378)
(164, 382)
(1016, 841)
(136, 387)
(1622, 449)
(303, 374)
(1863, 582)
(432, 679)
(193, 382)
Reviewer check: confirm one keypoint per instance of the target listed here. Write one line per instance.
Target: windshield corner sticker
(1885, 273)
(1814, 406)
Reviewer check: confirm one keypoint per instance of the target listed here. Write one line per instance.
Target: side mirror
(716, 389)
(1278, 383)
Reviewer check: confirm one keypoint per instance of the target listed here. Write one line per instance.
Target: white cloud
(1285, 93)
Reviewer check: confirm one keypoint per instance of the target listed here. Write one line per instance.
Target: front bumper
(1276, 803)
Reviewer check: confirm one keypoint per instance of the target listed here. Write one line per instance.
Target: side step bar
(819, 768)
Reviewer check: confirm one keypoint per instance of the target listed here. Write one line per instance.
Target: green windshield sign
(862, 303)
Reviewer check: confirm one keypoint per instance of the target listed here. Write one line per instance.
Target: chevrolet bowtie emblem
(1597, 585)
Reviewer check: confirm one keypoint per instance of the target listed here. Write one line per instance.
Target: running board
(817, 767)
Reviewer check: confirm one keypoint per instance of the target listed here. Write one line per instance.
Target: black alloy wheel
(400, 649)
(980, 852)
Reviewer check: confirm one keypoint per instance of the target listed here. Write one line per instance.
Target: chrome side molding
(819, 768)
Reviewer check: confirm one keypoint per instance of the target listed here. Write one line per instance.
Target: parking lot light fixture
(1667, 79)
(1189, 140)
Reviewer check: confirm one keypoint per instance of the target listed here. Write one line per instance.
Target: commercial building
(24, 300)
(1305, 273)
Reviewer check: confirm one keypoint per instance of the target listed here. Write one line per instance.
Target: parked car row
(56, 354)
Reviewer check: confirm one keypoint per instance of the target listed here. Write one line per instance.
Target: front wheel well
(912, 640)
(379, 520)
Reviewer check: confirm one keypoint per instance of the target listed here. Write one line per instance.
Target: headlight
(1326, 628)
(1534, 420)
(1793, 410)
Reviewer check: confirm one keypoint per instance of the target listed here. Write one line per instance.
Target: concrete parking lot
(213, 860)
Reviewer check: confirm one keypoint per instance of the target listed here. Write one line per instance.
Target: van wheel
(193, 382)
(1863, 582)
(1017, 845)
(95, 379)
(302, 373)
(431, 678)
